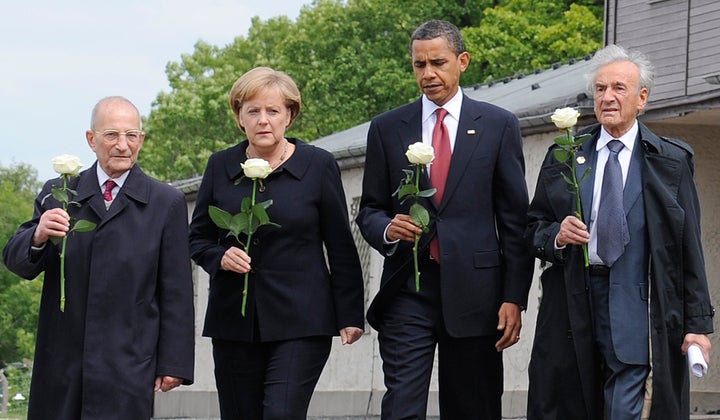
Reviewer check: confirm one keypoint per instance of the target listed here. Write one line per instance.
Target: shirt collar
(452, 106)
(103, 177)
(627, 139)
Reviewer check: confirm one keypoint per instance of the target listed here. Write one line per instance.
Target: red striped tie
(109, 185)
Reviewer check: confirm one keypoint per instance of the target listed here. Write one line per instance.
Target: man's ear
(90, 136)
(464, 58)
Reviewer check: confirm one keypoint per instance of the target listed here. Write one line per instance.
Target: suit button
(256, 241)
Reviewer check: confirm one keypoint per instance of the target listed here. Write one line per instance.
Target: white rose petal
(66, 164)
(420, 153)
(565, 117)
(256, 168)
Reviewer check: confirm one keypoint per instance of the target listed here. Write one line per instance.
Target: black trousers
(268, 381)
(470, 370)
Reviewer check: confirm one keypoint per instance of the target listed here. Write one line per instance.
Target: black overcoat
(306, 278)
(564, 368)
(129, 309)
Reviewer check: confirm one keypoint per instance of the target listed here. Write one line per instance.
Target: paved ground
(692, 417)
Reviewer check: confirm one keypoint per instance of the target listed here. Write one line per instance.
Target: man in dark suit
(474, 287)
(600, 316)
(126, 328)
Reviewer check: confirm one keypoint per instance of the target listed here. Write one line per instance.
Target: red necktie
(109, 185)
(439, 169)
(441, 146)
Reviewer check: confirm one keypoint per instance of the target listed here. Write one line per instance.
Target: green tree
(351, 62)
(524, 35)
(20, 298)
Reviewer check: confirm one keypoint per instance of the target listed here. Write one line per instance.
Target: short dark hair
(440, 28)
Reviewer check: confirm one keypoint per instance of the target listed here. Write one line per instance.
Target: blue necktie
(612, 230)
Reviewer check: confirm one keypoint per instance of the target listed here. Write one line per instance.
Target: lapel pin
(471, 132)
(580, 160)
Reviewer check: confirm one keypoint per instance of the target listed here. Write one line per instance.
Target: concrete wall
(352, 382)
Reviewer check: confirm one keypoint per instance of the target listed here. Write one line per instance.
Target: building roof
(532, 98)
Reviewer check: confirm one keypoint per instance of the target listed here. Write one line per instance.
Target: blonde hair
(259, 78)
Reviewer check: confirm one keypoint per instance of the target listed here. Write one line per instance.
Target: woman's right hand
(235, 259)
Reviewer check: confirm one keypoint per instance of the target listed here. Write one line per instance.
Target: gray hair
(615, 54)
(440, 28)
(103, 101)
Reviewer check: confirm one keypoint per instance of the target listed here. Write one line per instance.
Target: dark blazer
(293, 291)
(563, 350)
(129, 304)
(480, 220)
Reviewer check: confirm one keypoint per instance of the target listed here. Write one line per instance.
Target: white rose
(420, 153)
(256, 168)
(67, 164)
(565, 117)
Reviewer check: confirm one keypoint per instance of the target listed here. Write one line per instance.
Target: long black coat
(129, 302)
(564, 368)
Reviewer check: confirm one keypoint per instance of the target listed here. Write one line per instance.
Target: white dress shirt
(628, 140)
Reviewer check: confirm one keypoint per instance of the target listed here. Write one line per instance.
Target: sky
(60, 57)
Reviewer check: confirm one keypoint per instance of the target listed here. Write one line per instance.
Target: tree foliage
(20, 298)
(351, 62)
(525, 35)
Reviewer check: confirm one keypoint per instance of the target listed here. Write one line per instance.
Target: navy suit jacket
(480, 221)
(293, 290)
(628, 292)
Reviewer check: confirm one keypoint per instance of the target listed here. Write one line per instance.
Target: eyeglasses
(112, 136)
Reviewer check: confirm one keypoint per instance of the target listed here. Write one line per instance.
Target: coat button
(256, 241)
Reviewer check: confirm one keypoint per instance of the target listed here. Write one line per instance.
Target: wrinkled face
(265, 117)
(617, 96)
(437, 69)
(116, 153)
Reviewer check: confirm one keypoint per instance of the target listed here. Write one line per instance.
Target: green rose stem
(578, 203)
(247, 248)
(62, 253)
(417, 237)
(252, 215)
(419, 155)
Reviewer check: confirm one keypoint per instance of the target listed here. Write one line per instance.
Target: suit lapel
(409, 132)
(88, 192)
(467, 139)
(588, 156)
(633, 184)
(135, 188)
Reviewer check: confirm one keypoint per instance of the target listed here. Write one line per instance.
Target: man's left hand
(701, 340)
(510, 323)
(166, 383)
(349, 335)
